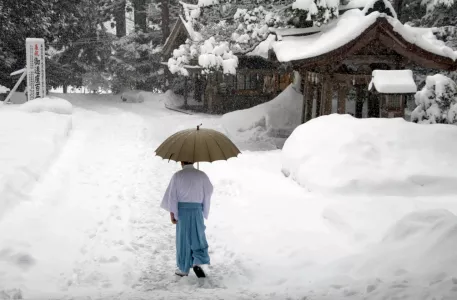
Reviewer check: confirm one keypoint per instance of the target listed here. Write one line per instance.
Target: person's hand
(172, 217)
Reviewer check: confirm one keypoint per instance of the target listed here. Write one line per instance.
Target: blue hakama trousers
(191, 244)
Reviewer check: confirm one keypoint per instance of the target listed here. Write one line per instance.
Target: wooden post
(318, 100)
(305, 87)
(359, 102)
(342, 98)
(310, 102)
(373, 105)
(7, 100)
(185, 92)
(327, 95)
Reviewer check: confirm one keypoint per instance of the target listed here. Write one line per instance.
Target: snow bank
(28, 143)
(133, 96)
(425, 236)
(283, 113)
(49, 104)
(388, 156)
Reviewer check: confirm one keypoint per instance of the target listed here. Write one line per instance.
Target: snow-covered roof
(348, 27)
(188, 27)
(345, 5)
(393, 82)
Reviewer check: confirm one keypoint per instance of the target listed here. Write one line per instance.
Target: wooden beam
(310, 102)
(371, 59)
(262, 71)
(352, 78)
(342, 98)
(305, 87)
(318, 100)
(417, 55)
(327, 96)
(185, 91)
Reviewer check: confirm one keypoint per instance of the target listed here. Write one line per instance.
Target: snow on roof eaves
(189, 30)
(354, 4)
(349, 26)
(393, 82)
(281, 32)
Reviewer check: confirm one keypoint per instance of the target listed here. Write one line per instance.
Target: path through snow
(94, 228)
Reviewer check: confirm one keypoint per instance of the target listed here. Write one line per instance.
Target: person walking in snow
(188, 199)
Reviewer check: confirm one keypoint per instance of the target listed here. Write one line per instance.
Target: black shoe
(199, 272)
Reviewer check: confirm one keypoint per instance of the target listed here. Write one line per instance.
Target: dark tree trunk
(139, 7)
(65, 88)
(119, 17)
(165, 20)
(398, 4)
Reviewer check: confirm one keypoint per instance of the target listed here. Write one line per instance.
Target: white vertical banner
(36, 73)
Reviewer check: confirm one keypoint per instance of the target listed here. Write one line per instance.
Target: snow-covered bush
(436, 102)
(317, 12)
(219, 30)
(4, 89)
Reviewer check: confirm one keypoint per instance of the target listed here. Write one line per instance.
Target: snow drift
(416, 259)
(421, 243)
(177, 101)
(388, 156)
(49, 104)
(28, 144)
(277, 117)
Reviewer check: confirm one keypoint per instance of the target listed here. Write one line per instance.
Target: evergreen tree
(437, 101)
(136, 62)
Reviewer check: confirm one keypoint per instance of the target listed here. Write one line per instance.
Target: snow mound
(174, 100)
(339, 153)
(28, 143)
(48, 104)
(277, 117)
(133, 96)
(421, 243)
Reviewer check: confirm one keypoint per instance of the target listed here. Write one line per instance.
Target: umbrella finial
(198, 126)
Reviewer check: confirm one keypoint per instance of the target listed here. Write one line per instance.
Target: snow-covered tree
(219, 30)
(436, 102)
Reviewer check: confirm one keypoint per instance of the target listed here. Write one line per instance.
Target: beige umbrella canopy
(197, 145)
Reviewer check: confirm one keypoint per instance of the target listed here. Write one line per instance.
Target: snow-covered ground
(91, 225)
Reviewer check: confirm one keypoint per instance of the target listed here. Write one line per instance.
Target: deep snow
(342, 154)
(92, 226)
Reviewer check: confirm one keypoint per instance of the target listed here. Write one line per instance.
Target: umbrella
(197, 145)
